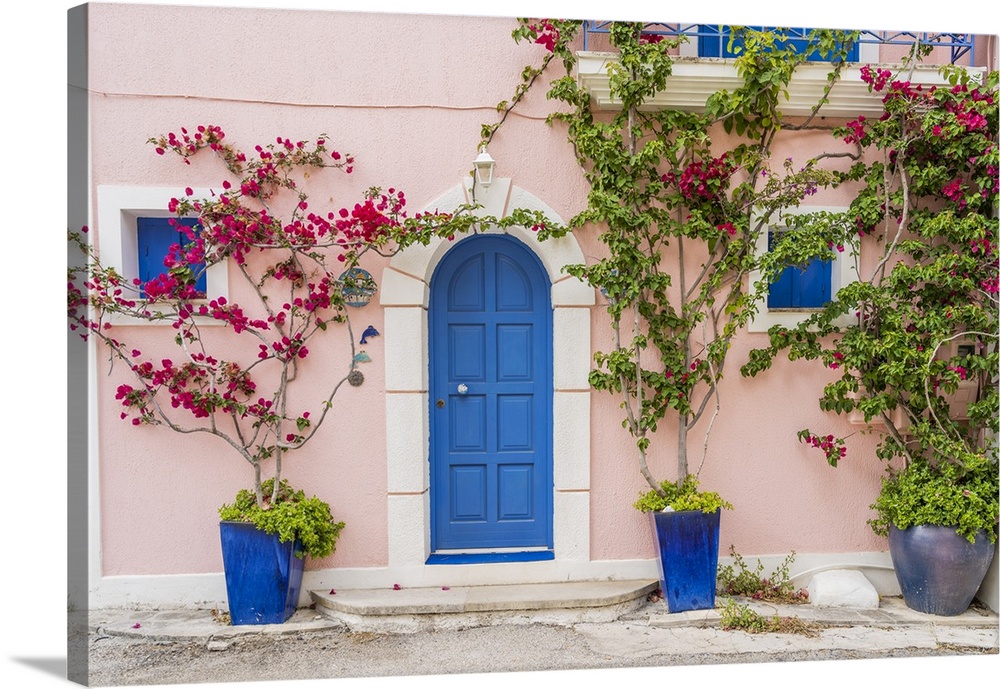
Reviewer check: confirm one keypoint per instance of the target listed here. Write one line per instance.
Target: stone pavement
(644, 631)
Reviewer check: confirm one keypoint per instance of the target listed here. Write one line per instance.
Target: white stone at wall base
(842, 588)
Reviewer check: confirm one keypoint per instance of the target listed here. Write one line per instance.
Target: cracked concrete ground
(645, 639)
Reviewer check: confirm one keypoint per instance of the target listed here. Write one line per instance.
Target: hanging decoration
(357, 286)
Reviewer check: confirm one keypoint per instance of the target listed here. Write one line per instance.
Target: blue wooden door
(491, 398)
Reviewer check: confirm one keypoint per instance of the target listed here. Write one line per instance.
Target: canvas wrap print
(450, 345)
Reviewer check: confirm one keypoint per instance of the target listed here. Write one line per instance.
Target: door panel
(491, 389)
(468, 343)
(514, 350)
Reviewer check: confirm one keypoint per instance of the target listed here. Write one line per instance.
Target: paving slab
(638, 642)
(892, 611)
(196, 625)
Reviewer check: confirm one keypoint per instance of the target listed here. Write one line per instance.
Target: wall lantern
(484, 167)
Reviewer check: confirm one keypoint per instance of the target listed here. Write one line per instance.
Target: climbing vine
(679, 214)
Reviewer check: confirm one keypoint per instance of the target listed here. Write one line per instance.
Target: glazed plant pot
(939, 571)
(688, 558)
(263, 575)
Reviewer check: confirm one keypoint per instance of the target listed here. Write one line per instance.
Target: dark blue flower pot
(263, 575)
(688, 548)
(939, 572)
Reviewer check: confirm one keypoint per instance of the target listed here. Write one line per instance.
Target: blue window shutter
(813, 289)
(801, 288)
(713, 41)
(154, 236)
(780, 295)
(782, 292)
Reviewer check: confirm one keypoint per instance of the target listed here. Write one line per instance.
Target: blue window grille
(801, 288)
(713, 41)
(962, 46)
(154, 236)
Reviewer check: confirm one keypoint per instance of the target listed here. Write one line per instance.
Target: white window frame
(118, 211)
(843, 272)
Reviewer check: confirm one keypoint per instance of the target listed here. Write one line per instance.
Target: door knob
(462, 388)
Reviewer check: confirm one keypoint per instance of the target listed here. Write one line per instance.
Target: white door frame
(404, 295)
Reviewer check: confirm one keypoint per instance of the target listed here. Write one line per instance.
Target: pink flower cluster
(547, 34)
(287, 348)
(833, 448)
(857, 128)
(367, 222)
(700, 179)
(133, 399)
(954, 190)
(188, 144)
(876, 79)
(960, 371)
(905, 90)
(163, 286)
(231, 314)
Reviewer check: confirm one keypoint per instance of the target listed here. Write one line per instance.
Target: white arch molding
(404, 295)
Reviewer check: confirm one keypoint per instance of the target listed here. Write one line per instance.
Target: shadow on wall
(989, 592)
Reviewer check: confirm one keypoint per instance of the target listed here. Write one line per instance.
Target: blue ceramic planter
(688, 548)
(263, 576)
(939, 572)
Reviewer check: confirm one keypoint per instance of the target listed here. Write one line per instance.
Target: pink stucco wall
(407, 96)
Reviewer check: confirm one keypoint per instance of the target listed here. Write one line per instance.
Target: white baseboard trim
(209, 590)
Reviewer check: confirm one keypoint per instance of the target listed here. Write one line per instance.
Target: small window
(801, 291)
(713, 41)
(136, 253)
(154, 237)
(801, 288)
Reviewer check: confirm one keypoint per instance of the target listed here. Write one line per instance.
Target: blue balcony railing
(960, 45)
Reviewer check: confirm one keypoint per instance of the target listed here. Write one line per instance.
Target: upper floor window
(713, 41)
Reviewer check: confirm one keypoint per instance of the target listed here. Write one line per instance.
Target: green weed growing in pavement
(739, 580)
(736, 616)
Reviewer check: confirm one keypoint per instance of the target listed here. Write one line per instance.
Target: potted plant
(679, 219)
(919, 362)
(264, 578)
(242, 386)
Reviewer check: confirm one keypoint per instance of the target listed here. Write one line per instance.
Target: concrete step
(426, 609)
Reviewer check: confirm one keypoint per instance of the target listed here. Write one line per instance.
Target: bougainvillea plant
(679, 215)
(919, 360)
(291, 259)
